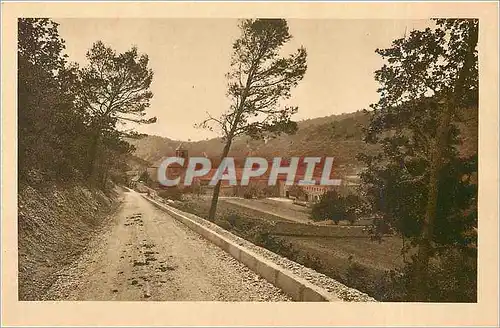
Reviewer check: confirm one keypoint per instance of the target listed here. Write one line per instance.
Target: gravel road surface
(145, 254)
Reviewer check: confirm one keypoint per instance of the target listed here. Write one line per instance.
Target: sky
(190, 57)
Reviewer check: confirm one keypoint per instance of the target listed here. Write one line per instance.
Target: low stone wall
(299, 229)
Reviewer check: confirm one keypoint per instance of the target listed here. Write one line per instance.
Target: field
(285, 209)
(342, 252)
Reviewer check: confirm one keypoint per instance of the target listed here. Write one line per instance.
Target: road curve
(145, 254)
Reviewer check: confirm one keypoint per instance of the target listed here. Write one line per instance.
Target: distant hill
(137, 163)
(339, 136)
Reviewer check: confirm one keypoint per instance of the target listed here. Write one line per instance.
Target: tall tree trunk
(231, 134)
(93, 155)
(94, 152)
(421, 281)
(215, 195)
(425, 246)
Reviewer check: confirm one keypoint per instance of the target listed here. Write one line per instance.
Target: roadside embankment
(55, 224)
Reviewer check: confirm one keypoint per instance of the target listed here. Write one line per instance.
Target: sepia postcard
(225, 163)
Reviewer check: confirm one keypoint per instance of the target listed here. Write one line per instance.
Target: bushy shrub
(145, 177)
(172, 193)
(297, 192)
(224, 224)
(452, 278)
(261, 237)
(232, 218)
(335, 207)
(311, 261)
(248, 195)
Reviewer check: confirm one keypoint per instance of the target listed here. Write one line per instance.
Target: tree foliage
(335, 207)
(418, 182)
(259, 79)
(48, 124)
(67, 115)
(115, 86)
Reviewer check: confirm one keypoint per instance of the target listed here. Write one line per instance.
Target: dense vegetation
(336, 207)
(67, 115)
(420, 182)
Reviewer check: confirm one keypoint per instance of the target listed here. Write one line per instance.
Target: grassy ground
(357, 262)
(287, 210)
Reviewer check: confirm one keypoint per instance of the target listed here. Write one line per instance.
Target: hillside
(136, 163)
(339, 136)
(55, 225)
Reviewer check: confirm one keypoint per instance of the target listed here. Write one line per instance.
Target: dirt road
(145, 254)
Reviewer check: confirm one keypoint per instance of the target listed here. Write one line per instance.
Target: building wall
(314, 192)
